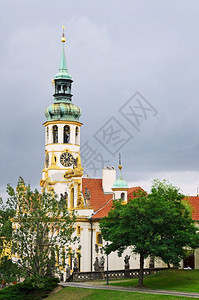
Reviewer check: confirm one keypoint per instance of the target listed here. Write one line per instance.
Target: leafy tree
(41, 226)
(158, 224)
(6, 214)
(9, 272)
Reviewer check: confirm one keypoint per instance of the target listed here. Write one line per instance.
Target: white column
(50, 140)
(46, 140)
(75, 195)
(72, 134)
(77, 138)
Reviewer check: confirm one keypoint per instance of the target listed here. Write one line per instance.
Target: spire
(63, 66)
(120, 183)
(63, 71)
(120, 167)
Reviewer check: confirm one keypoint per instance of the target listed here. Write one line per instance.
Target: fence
(116, 274)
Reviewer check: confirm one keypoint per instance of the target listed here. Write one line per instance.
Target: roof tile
(194, 202)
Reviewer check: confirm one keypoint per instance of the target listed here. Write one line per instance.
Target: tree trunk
(140, 284)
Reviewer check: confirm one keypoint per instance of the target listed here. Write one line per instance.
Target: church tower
(62, 171)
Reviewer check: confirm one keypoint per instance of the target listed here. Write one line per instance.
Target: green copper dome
(63, 111)
(120, 184)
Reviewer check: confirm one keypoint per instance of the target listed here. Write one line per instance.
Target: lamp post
(107, 265)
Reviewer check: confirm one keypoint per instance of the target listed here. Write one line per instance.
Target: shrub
(29, 290)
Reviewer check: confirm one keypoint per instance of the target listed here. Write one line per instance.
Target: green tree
(9, 272)
(41, 226)
(157, 224)
(6, 214)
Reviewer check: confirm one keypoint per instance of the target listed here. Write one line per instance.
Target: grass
(176, 280)
(70, 293)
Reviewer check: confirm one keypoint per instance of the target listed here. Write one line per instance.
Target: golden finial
(63, 36)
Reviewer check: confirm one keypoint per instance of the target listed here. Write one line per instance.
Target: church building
(91, 198)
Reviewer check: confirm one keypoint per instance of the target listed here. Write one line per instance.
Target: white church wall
(85, 238)
(118, 195)
(84, 212)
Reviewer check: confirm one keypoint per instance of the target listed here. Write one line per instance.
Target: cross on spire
(120, 165)
(63, 36)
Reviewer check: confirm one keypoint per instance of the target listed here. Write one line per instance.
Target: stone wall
(116, 274)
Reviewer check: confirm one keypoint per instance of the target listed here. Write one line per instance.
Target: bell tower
(62, 171)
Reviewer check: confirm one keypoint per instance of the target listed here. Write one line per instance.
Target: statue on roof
(87, 197)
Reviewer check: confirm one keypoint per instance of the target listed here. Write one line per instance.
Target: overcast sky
(123, 56)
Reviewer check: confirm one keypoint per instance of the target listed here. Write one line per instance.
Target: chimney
(108, 179)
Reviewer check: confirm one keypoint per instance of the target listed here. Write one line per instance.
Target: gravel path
(89, 285)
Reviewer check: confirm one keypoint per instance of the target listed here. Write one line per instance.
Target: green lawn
(70, 293)
(179, 280)
(176, 280)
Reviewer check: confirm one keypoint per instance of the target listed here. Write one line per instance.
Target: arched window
(122, 196)
(65, 89)
(66, 134)
(55, 134)
(59, 89)
(47, 135)
(77, 135)
(99, 239)
(72, 198)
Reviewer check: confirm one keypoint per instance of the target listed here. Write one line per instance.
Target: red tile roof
(103, 212)
(131, 191)
(98, 198)
(194, 202)
(102, 203)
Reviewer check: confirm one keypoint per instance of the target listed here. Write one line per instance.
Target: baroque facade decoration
(91, 198)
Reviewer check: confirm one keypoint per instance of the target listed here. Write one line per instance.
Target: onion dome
(120, 183)
(63, 111)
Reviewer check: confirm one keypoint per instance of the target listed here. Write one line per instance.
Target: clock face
(46, 160)
(66, 159)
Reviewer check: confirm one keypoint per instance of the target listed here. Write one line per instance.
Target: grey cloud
(113, 49)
